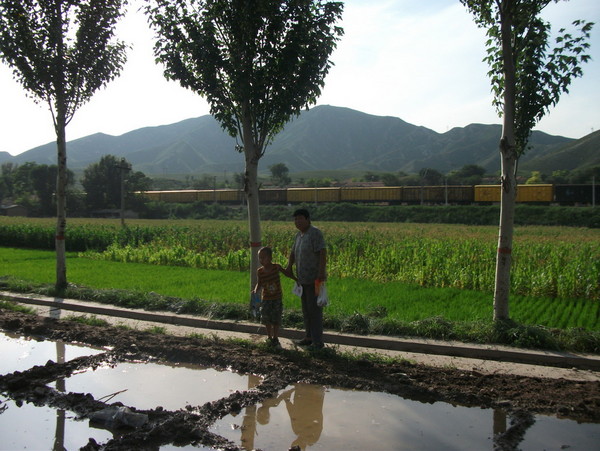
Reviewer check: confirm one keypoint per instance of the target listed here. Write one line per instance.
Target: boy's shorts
(271, 311)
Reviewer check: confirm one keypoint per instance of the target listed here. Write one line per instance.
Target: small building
(13, 210)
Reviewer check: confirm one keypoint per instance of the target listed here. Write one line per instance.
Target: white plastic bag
(322, 298)
(255, 304)
(297, 289)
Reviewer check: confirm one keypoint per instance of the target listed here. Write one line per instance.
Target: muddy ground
(521, 397)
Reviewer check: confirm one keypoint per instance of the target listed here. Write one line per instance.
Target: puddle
(308, 416)
(32, 427)
(317, 418)
(37, 428)
(20, 353)
(149, 385)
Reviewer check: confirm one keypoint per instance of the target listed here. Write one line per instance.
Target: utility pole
(215, 189)
(423, 177)
(123, 167)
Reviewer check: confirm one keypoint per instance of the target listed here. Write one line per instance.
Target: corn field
(555, 262)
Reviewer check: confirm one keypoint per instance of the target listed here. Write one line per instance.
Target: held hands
(289, 273)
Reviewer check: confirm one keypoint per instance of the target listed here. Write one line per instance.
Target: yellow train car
(150, 195)
(371, 194)
(433, 194)
(411, 194)
(423, 194)
(178, 196)
(437, 195)
(206, 195)
(525, 193)
(459, 194)
(229, 195)
(535, 193)
(295, 195)
(272, 195)
(487, 193)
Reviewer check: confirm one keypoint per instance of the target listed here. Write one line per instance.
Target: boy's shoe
(304, 342)
(275, 342)
(315, 346)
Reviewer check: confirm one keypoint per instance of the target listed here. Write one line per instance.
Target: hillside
(583, 153)
(323, 138)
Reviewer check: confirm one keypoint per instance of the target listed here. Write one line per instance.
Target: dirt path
(465, 383)
(487, 359)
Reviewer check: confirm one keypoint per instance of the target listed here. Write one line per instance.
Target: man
(310, 256)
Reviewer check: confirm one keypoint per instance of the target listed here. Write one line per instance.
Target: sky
(420, 61)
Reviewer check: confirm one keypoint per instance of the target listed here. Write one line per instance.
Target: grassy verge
(358, 306)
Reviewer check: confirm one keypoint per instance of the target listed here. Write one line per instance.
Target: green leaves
(541, 75)
(61, 49)
(257, 62)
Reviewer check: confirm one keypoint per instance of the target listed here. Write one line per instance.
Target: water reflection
(499, 422)
(149, 385)
(304, 405)
(302, 415)
(306, 413)
(332, 419)
(24, 425)
(59, 435)
(21, 353)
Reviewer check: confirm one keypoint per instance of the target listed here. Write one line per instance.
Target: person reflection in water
(306, 413)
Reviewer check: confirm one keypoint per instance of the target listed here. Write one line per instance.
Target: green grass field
(548, 262)
(393, 300)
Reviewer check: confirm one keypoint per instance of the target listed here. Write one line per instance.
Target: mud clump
(521, 397)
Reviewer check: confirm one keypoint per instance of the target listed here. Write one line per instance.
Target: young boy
(272, 303)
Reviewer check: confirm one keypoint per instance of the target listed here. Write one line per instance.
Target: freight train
(545, 194)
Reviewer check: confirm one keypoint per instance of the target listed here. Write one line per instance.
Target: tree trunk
(252, 154)
(251, 176)
(61, 202)
(60, 124)
(505, 236)
(509, 159)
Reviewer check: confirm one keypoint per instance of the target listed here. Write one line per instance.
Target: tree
(430, 176)
(62, 51)
(536, 178)
(370, 177)
(257, 62)
(318, 183)
(33, 185)
(469, 174)
(206, 182)
(43, 178)
(526, 81)
(102, 184)
(238, 180)
(41, 183)
(560, 176)
(585, 175)
(280, 174)
(390, 179)
(7, 171)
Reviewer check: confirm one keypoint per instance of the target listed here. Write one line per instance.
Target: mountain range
(324, 138)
